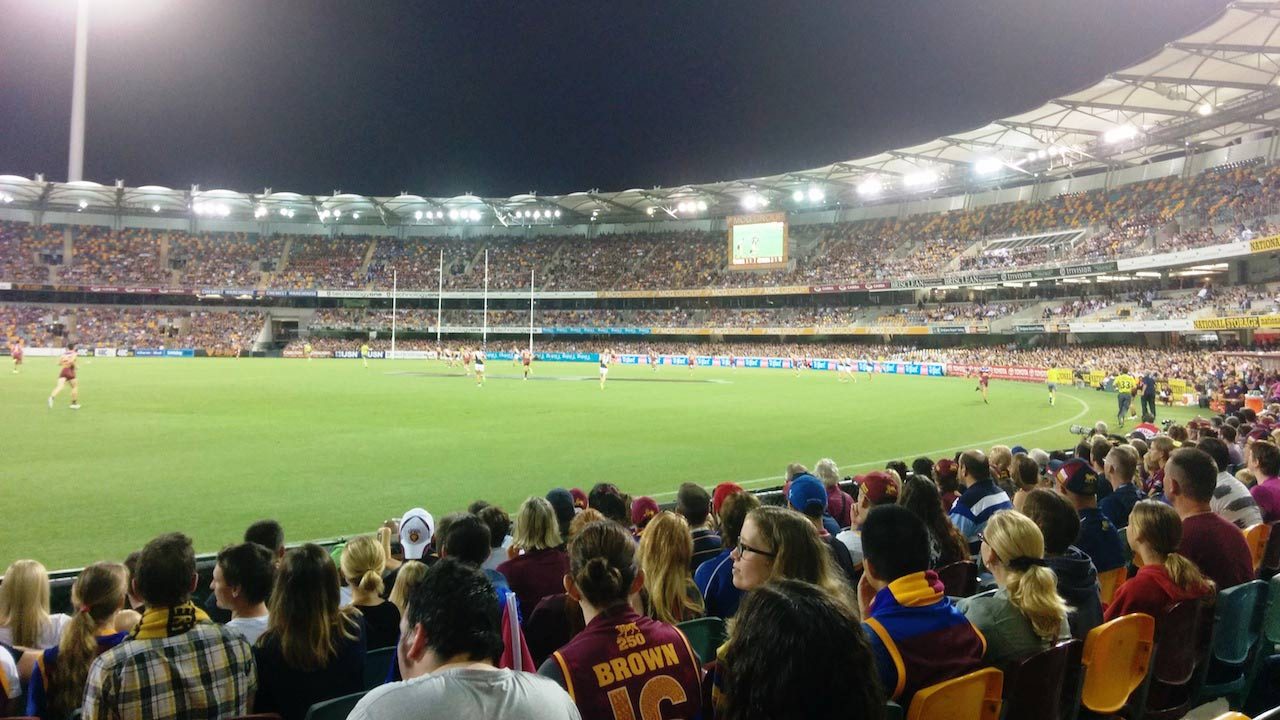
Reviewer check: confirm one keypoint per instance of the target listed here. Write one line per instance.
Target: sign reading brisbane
(758, 241)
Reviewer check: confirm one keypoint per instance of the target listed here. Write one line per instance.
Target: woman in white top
(25, 620)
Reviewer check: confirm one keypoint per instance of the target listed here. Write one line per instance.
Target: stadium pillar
(75, 158)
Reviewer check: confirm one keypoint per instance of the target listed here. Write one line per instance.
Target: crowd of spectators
(322, 262)
(233, 260)
(24, 250)
(216, 332)
(104, 256)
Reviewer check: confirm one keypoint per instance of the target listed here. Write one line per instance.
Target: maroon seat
(1045, 686)
(959, 579)
(1182, 642)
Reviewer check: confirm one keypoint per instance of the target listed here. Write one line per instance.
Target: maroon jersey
(625, 666)
(68, 362)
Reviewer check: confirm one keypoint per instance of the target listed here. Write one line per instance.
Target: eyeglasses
(744, 548)
(982, 538)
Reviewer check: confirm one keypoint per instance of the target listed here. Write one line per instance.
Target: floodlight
(355, 215)
(816, 194)
(417, 214)
(154, 208)
(453, 214)
(83, 204)
(870, 186)
(702, 206)
(557, 213)
(649, 211)
(475, 214)
(798, 196)
(921, 178)
(337, 214)
(1205, 109)
(284, 212)
(1120, 134)
(987, 166)
(439, 214)
(537, 214)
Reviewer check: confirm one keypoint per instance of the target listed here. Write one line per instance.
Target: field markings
(967, 446)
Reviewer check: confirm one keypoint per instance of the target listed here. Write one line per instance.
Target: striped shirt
(206, 672)
(976, 506)
(1231, 500)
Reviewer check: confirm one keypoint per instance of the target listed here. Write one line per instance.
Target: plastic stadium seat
(1271, 557)
(1182, 641)
(1109, 582)
(1117, 655)
(893, 711)
(1045, 686)
(959, 579)
(1258, 537)
(975, 696)
(1237, 632)
(1124, 545)
(1232, 716)
(376, 665)
(335, 709)
(705, 635)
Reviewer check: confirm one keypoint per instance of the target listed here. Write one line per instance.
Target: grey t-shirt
(468, 692)
(1009, 634)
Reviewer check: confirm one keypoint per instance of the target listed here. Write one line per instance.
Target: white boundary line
(966, 446)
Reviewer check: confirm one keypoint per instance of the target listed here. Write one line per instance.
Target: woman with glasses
(1026, 614)
(622, 664)
(780, 543)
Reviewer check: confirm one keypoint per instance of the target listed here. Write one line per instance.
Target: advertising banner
(1061, 376)
(1241, 322)
(104, 352)
(1265, 244)
(1000, 372)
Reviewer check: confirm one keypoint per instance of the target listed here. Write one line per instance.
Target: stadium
(1098, 275)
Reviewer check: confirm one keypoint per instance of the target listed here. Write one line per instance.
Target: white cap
(416, 528)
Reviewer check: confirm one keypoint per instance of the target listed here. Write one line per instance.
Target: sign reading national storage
(1240, 322)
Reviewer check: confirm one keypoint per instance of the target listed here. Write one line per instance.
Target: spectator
(417, 527)
(694, 504)
(268, 534)
(499, 524)
(1155, 459)
(945, 474)
(410, 575)
(1077, 576)
(1025, 615)
(25, 620)
(1024, 474)
(467, 539)
(981, 498)
(822, 648)
(176, 663)
(607, 499)
(808, 497)
(1000, 459)
(946, 545)
(714, 577)
(562, 503)
(362, 565)
(1099, 448)
(313, 650)
(874, 489)
(1215, 545)
(1231, 499)
(242, 578)
(669, 594)
(923, 467)
(1120, 469)
(451, 639)
(643, 509)
(1263, 461)
(1164, 577)
(1098, 537)
(839, 502)
(131, 567)
(620, 651)
(781, 543)
(540, 568)
(57, 682)
(917, 636)
(558, 618)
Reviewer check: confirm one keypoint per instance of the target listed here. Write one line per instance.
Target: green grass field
(330, 448)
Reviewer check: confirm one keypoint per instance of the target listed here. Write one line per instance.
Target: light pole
(75, 159)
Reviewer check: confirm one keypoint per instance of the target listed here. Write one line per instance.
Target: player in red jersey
(984, 379)
(623, 665)
(67, 376)
(693, 360)
(606, 357)
(733, 361)
(15, 349)
(526, 359)
(466, 361)
(653, 361)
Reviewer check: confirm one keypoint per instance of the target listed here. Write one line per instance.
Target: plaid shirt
(206, 672)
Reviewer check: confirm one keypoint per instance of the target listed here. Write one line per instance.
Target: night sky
(499, 98)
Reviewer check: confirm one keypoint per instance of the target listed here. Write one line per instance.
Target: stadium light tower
(75, 158)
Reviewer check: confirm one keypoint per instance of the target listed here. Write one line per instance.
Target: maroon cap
(879, 487)
(643, 509)
(722, 491)
(579, 498)
(945, 468)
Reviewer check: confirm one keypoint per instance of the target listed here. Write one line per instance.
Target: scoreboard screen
(757, 241)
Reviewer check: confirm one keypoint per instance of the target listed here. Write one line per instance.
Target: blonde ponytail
(1031, 586)
(1159, 527)
(1185, 574)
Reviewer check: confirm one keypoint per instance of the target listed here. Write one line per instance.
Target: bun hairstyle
(363, 562)
(602, 562)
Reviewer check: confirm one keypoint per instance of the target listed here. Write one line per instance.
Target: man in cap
(808, 496)
(1078, 482)
(874, 489)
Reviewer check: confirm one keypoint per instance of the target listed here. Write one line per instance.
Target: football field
(331, 448)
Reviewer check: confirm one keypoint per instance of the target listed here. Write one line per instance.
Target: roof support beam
(1225, 48)
(1122, 107)
(1171, 80)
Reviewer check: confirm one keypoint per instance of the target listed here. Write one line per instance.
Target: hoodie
(1151, 591)
(1078, 586)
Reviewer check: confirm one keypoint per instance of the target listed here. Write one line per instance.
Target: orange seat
(975, 696)
(1232, 716)
(1117, 655)
(1257, 536)
(1109, 582)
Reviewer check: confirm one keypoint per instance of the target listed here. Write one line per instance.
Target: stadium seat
(1045, 686)
(1235, 652)
(705, 635)
(975, 696)
(376, 665)
(1109, 582)
(1232, 716)
(259, 716)
(1124, 545)
(1182, 639)
(1116, 657)
(335, 709)
(960, 579)
(1258, 537)
(1271, 557)
(893, 711)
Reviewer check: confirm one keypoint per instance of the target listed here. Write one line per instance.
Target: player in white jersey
(605, 358)
(479, 360)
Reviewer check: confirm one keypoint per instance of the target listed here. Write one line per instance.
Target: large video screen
(757, 241)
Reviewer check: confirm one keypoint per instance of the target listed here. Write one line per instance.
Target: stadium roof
(1208, 89)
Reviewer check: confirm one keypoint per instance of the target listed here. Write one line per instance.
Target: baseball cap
(643, 509)
(1055, 465)
(1259, 434)
(416, 528)
(807, 494)
(879, 487)
(1018, 450)
(945, 469)
(722, 491)
(1079, 477)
